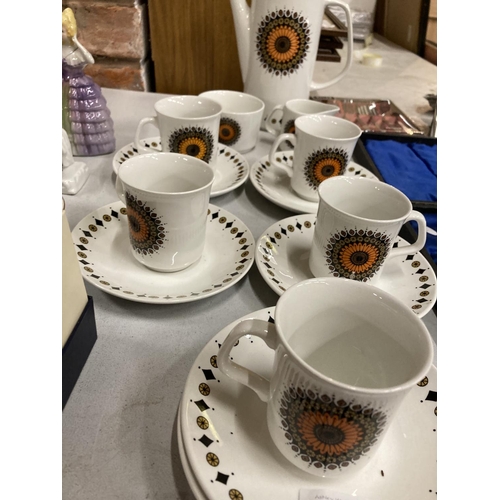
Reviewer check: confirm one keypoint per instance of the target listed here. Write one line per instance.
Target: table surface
(119, 425)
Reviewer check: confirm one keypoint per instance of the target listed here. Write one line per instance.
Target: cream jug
(277, 47)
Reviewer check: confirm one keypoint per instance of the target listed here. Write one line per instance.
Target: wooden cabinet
(193, 45)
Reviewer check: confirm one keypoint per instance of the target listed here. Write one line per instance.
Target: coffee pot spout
(241, 18)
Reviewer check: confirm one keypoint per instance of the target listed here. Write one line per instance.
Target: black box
(77, 349)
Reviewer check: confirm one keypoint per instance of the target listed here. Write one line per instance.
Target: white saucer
(274, 184)
(232, 167)
(231, 455)
(282, 257)
(102, 244)
(188, 471)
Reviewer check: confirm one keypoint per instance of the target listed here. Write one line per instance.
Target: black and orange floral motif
(356, 253)
(146, 230)
(282, 42)
(192, 141)
(229, 131)
(327, 433)
(323, 164)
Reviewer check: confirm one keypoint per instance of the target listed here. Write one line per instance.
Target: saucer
(275, 185)
(232, 167)
(231, 455)
(282, 256)
(101, 241)
(188, 471)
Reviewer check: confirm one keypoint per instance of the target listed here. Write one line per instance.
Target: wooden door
(193, 45)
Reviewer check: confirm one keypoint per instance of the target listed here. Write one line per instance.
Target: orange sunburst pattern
(146, 230)
(326, 432)
(359, 257)
(329, 434)
(357, 253)
(323, 164)
(192, 141)
(283, 44)
(283, 41)
(229, 131)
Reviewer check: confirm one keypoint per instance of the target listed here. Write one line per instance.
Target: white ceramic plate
(232, 167)
(282, 256)
(191, 479)
(231, 454)
(102, 244)
(274, 184)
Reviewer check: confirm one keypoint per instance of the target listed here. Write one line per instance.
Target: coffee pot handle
(150, 119)
(259, 328)
(350, 45)
(282, 166)
(269, 119)
(421, 237)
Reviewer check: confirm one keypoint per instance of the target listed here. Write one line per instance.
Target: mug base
(170, 269)
(307, 198)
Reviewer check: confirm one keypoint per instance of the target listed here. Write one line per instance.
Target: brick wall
(116, 33)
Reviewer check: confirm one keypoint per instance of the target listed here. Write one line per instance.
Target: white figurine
(74, 173)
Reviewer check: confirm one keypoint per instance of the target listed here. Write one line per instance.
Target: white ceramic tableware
(167, 197)
(358, 221)
(227, 443)
(232, 169)
(278, 44)
(101, 241)
(282, 258)
(275, 184)
(240, 120)
(188, 125)
(346, 355)
(323, 148)
(281, 120)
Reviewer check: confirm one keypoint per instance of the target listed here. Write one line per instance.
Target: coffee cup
(188, 125)
(281, 120)
(167, 196)
(323, 148)
(240, 119)
(358, 220)
(346, 355)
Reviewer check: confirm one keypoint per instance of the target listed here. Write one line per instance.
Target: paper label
(326, 495)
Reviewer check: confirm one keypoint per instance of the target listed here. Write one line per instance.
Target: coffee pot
(278, 44)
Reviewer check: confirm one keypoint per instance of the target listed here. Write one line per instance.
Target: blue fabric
(410, 167)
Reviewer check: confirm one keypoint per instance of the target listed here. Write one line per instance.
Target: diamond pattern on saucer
(105, 222)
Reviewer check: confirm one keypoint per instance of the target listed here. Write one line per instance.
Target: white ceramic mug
(323, 148)
(188, 125)
(358, 221)
(240, 120)
(167, 196)
(281, 120)
(346, 355)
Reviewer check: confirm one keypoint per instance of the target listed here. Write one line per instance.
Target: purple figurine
(85, 115)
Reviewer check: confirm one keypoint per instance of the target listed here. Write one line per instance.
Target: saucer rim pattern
(298, 205)
(242, 169)
(279, 234)
(195, 422)
(88, 227)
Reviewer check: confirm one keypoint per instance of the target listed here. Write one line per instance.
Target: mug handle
(150, 119)
(350, 46)
(120, 190)
(267, 123)
(421, 237)
(267, 332)
(281, 138)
